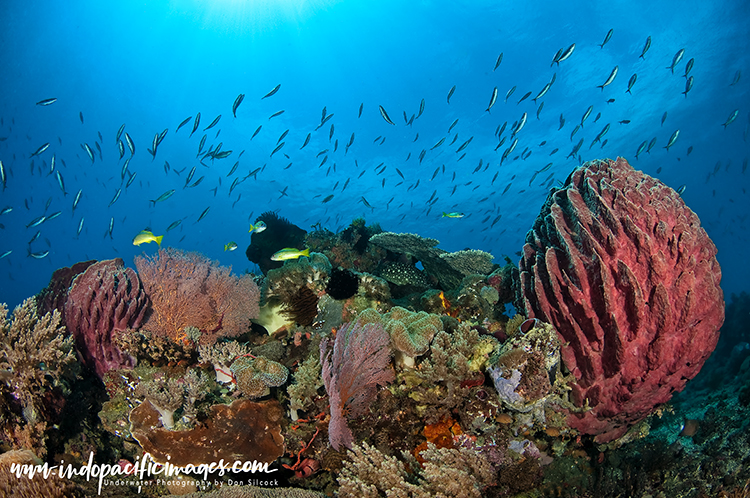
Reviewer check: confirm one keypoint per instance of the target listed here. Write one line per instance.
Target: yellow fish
(145, 237)
(452, 215)
(231, 246)
(289, 253)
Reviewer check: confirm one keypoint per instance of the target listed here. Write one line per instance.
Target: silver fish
(385, 115)
(41, 149)
(672, 139)
(130, 143)
(567, 53)
(493, 98)
(607, 38)
(61, 182)
(610, 78)
(731, 118)
(676, 59)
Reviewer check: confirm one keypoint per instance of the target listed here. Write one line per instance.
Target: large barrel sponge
(622, 268)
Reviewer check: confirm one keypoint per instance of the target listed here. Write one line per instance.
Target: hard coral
(623, 270)
(244, 431)
(35, 356)
(255, 375)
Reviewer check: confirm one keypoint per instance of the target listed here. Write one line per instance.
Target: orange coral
(440, 434)
(190, 290)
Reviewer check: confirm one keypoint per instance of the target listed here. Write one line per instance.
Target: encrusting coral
(35, 359)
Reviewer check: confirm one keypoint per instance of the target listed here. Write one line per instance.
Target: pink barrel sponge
(622, 268)
(105, 298)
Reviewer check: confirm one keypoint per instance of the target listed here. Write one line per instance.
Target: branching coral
(307, 381)
(458, 473)
(35, 357)
(188, 289)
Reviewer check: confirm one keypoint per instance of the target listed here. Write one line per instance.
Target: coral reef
(342, 284)
(190, 290)
(35, 360)
(307, 380)
(447, 268)
(39, 486)
(622, 269)
(254, 376)
(458, 473)
(279, 233)
(359, 362)
(302, 307)
(104, 299)
(350, 248)
(244, 431)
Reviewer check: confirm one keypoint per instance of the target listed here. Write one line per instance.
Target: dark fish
(203, 214)
(528, 94)
(119, 132)
(450, 93)
(607, 38)
(361, 106)
(213, 123)
(116, 196)
(272, 92)
(183, 123)
(510, 92)
(278, 148)
(631, 82)
(47, 101)
(453, 124)
(282, 136)
(163, 197)
(80, 116)
(689, 66)
(421, 108)
(327, 199)
(237, 103)
(278, 113)
(196, 123)
(385, 115)
(257, 130)
(645, 48)
(173, 225)
(688, 85)
(499, 60)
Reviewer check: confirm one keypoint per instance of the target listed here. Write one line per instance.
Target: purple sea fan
(359, 363)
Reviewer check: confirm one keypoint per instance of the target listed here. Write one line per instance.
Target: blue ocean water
(150, 65)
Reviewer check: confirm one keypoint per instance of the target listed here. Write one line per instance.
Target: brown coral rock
(243, 431)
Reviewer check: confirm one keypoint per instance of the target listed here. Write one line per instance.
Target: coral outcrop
(621, 267)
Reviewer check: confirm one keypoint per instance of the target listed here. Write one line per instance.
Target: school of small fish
(504, 155)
